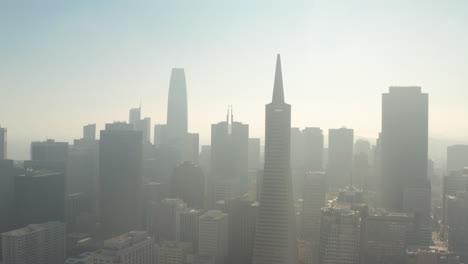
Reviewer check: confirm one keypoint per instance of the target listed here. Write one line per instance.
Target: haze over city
(233, 132)
(68, 63)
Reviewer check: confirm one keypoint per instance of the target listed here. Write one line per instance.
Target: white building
(35, 244)
(134, 247)
(173, 252)
(213, 235)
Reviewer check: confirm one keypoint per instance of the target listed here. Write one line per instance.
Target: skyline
(84, 70)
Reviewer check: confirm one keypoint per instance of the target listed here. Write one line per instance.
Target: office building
(275, 236)
(120, 179)
(254, 153)
(3, 143)
(89, 132)
(7, 187)
(213, 235)
(187, 226)
(170, 252)
(229, 159)
(177, 116)
(49, 155)
(188, 184)
(314, 197)
(457, 157)
(340, 236)
(134, 247)
(340, 157)
(39, 197)
(404, 143)
(35, 243)
(162, 218)
(386, 235)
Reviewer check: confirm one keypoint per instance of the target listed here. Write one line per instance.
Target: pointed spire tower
(275, 236)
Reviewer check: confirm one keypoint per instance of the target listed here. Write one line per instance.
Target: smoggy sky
(64, 64)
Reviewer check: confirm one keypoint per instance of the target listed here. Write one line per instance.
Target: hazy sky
(64, 64)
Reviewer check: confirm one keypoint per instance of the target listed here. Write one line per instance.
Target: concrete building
(188, 184)
(314, 196)
(340, 157)
(120, 179)
(89, 132)
(170, 252)
(134, 247)
(187, 226)
(457, 157)
(213, 235)
(229, 159)
(386, 235)
(275, 236)
(404, 143)
(7, 188)
(3, 143)
(39, 197)
(162, 218)
(49, 155)
(340, 232)
(242, 220)
(35, 244)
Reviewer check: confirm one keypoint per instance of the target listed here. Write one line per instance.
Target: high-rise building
(89, 132)
(134, 247)
(340, 236)
(340, 157)
(386, 235)
(213, 235)
(177, 120)
(457, 157)
(49, 155)
(3, 143)
(254, 153)
(39, 197)
(313, 148)
(188, 184)
(187, 226)
(162, 218)
(456, 223)
(35, 243)
(160, 134)
(275, 236)
(242, 220)
(404, 143)
(120, 179)
(229, 159)
(170, 252)
(314, 197)
(7, 187)
(306, 149)
(134, 115)
(83, 163)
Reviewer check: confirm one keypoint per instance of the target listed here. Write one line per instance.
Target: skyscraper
(314, 196)
(7, 183)
(177, 120)
(120, 160)
(457, 157)
(339, 236)
(229, 159)
(89, 132)
(213, 235)
(188, 184)
(404, 143)
(49, 155)
(39, 197)
(340, 157)
(275, 237)
(3, 143)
